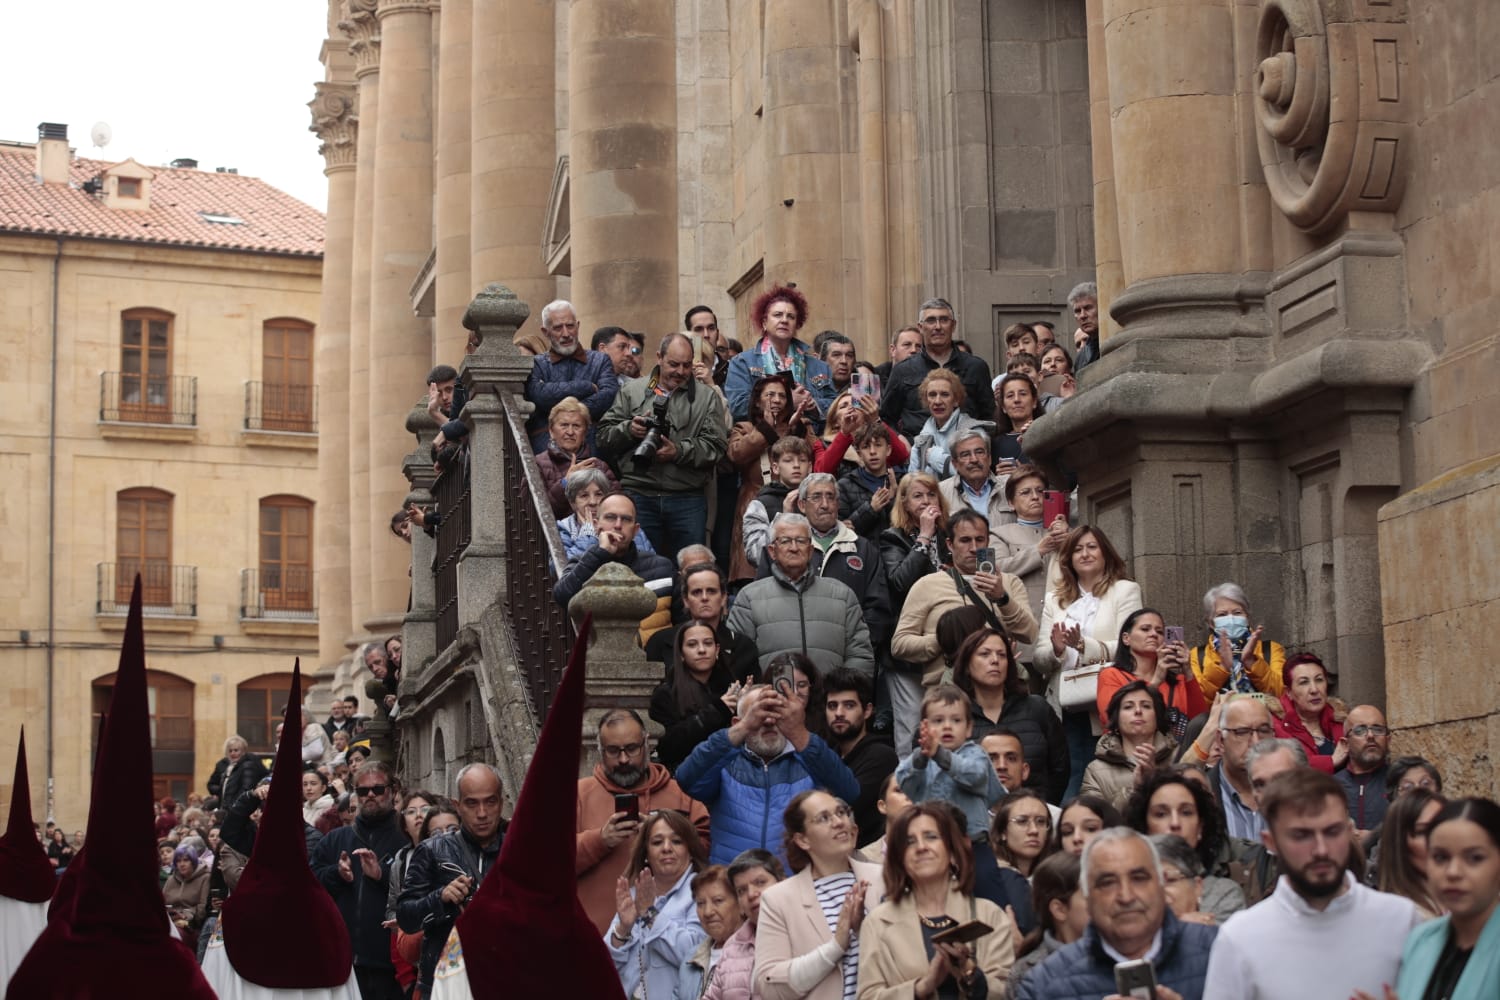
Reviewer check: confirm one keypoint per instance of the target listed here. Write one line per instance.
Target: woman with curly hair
(1169, 802)
(779, 314)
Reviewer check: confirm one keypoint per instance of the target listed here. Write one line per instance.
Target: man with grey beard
(749, 772)
(606, 834)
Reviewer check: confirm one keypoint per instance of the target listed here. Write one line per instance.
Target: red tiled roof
(275, 222)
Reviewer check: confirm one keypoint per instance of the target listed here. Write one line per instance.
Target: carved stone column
(498, 366)
(514, 152)
(363, 31)
(335, 120)
(400, 243)
(620, 676)
(622, 109)
(453, 180)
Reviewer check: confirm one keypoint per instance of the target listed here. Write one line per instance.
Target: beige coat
(1099, 641)
(892, 957)
(792, 924)
(916, 631)
(1111, 774)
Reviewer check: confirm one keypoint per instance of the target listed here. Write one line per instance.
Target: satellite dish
(101, 133)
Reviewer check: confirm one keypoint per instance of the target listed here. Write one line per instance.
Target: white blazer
(1099, 640)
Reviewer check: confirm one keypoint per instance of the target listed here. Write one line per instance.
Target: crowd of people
(907, 692)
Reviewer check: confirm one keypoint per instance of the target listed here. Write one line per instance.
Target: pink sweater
(733, 973)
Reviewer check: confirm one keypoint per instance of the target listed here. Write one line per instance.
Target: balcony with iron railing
(279, 600)
(133, 404)
(169, 594)
(281, 414)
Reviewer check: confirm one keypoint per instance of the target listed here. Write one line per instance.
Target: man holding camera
(666, 433)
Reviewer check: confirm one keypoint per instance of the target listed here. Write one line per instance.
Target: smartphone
(1176, 634)
(1136, 979)
(857, 386)
(1052, 385)
(1054, 505)
(987, 560)
(697, 339)
(628, 803)
(872, 386)
(963, 933)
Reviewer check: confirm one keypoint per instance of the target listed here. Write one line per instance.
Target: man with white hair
(1243, 722)
(1083, 300)
(747, 774)
(567, 369)
(1129, 920)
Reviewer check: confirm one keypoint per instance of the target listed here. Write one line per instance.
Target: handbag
(1078, 689)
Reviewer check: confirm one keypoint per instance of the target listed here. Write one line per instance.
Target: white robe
(20, 925)
(450, 980)
(229, 985)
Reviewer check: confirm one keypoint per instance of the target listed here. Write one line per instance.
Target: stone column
(622, 113)
(871, 335)
(400, 242)
(1108, 271)
(498, 366)
(513, 122)
(1173, 115)
(364, 45)
(804, 146)
(453, 179)
(419, 630)
(335, 122)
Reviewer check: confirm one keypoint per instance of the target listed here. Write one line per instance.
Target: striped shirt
(831, 891)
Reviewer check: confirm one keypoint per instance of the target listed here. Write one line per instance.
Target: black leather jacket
(436, 862)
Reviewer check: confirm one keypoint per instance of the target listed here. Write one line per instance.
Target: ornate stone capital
(363, 28)
(335, 119)
(1334, 106)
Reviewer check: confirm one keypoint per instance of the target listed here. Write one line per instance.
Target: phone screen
(628, 803)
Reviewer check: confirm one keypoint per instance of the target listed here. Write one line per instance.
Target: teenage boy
(791, 461)
(866, 494)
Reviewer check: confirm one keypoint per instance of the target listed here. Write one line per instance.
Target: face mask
(1237, 627)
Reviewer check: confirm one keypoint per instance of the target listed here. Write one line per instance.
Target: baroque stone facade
(1286, 203)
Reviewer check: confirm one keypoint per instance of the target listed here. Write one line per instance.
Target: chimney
(53, 159)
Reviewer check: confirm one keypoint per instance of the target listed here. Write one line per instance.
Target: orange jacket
(597, 867)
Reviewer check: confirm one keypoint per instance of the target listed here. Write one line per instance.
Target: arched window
(146, 366)
(258, 704)
(143, 544)
(169, 704)
(286, 402)
(286, 567)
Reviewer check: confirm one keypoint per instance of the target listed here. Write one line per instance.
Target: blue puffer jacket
(1083, 971)
(588, 376)
(747, 795)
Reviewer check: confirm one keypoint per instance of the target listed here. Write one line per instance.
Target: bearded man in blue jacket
(747, 774)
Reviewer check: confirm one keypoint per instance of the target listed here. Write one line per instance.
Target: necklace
(936, 923)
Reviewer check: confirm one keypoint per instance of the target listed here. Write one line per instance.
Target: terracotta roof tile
(275, 222)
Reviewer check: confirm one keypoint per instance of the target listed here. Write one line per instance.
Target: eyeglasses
(439, 831)
(372, 790)
(1376, 731)
(628, 750)
(1037, 822)
(416, 811)
(1423, 782)
(1029, 491)
(1170, 877)
(1244, 732)
(793, 543)
(843, 812)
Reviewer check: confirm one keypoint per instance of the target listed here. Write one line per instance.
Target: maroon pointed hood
(25, 872)
(278, 898)
(506, 948)
(118, 932)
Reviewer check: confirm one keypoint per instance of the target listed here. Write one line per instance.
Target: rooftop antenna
(101, 133)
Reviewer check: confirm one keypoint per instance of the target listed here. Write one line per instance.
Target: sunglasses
(376, 790)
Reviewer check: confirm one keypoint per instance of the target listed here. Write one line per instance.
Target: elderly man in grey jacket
(795, 609)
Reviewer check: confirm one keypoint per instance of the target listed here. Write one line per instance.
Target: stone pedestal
(619, 674)
(419, 629)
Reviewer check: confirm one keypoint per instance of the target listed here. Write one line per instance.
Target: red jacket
(1290, 725)
(1185, 695)
(597, 867)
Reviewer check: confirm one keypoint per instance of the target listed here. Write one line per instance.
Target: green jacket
(698, 429)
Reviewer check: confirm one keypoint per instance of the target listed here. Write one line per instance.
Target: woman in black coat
(692, 703)
(986, 669)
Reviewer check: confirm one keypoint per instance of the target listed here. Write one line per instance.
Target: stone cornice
(335, 118)
(389, 7)
(363, 28)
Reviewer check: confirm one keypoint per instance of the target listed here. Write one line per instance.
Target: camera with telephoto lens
(656, 428)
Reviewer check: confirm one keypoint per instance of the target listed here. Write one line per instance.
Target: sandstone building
(1288, 206)
(160, 416)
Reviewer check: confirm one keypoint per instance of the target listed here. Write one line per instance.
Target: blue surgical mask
(1237, 627)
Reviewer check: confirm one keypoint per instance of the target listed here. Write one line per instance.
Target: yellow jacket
(1213, 675)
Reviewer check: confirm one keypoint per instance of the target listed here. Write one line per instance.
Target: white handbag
(1078, 689)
